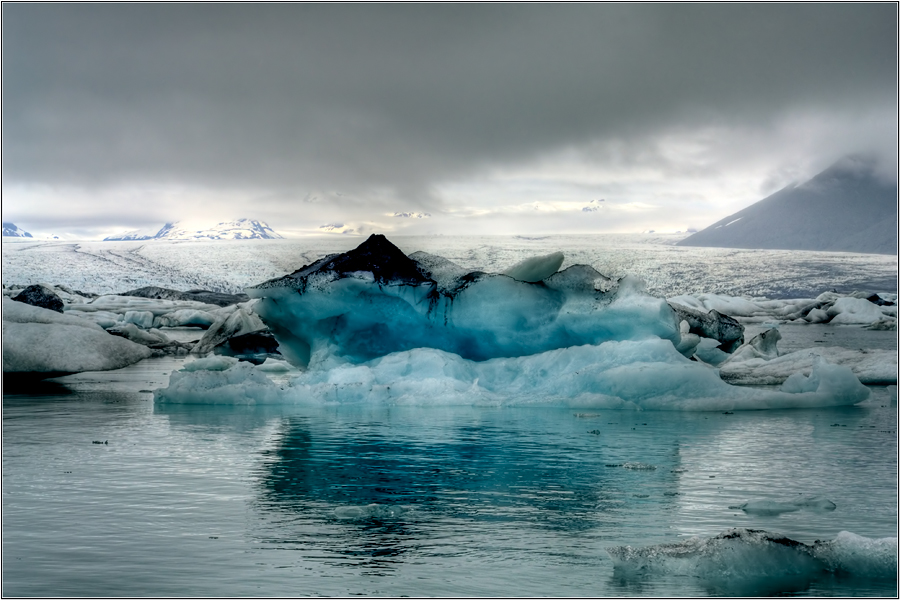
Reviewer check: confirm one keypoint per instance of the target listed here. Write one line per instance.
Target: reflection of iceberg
(373, 325)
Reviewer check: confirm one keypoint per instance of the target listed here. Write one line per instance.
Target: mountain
(241, 229)
(11, 230)
(845, 208)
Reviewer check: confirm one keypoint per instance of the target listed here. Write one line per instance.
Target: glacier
(374, 325)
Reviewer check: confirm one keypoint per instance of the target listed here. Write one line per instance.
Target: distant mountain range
(11, 230)
(241, 229)
(845, 208)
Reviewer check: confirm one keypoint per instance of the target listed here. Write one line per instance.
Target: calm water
(215, 500)
(223, 501)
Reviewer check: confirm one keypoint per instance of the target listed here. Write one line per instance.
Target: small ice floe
(773, 507)
(376, 512)
(219, 380)
(274, 365)
(42, 341)
(210, 363)
(747, 557)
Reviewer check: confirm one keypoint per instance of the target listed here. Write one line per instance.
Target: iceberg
(375, 300)
(373, 325)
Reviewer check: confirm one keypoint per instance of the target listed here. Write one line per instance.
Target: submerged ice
(376, 326)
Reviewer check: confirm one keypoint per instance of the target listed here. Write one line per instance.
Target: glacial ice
(759, 362)
(38, 340)
(374, 300)
(740, 556)
(855, 311)
(644, 375)
(852, 309)
(375, 326)
(775, 507)
(206, 383)
(110, 310)
(536, 268)
(231, 321)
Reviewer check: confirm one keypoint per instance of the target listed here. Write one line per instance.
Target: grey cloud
(300, 97)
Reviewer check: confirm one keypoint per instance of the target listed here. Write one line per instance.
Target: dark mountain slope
(845, 208)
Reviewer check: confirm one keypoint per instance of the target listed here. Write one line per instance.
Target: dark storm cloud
(126, 115)
(399, 96)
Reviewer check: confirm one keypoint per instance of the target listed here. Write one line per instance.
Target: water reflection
(372, 488)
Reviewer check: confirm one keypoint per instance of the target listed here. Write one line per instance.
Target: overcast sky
(488, 118)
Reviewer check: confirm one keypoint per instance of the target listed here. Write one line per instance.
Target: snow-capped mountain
(139, 234)
(336, 228)
(240, 229)
(11, 230)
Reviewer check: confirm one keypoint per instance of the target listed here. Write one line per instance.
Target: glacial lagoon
(106, 492)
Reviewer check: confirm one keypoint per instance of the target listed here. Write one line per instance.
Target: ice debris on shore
(375, 326)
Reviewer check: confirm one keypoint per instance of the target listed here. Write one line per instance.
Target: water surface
(218, 500)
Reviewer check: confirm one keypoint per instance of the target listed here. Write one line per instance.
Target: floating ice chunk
(240, 321)
(736, 554)
(858, 555)
(817, 315)
(763, 346)
(211, 363)
(19, 312)
(377, 512)
(37, 340)
(536, 268)
(186, 317)
(688, 344)
(122, 304)
(649, 375)
(885, 324)
(141, 318)
(711, 324)
(101, 317)
(239, 384)
(773, 507)
(139, 336)
(872, 367)
(743, 557)
(273, 365)
(854, 311)
(726, 305)
(708, 351)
